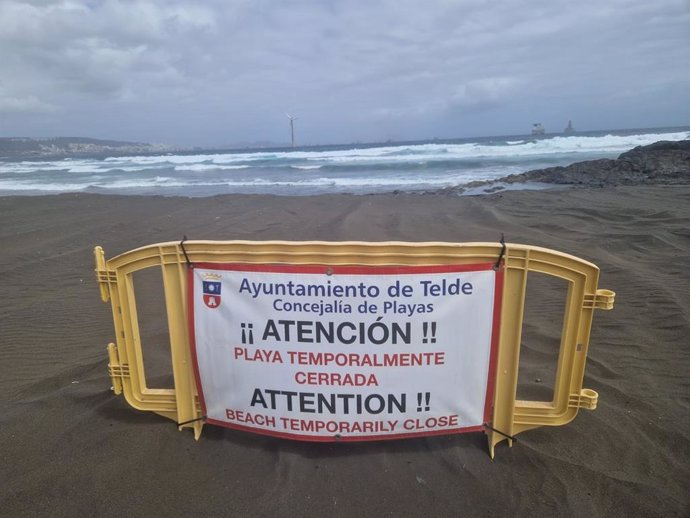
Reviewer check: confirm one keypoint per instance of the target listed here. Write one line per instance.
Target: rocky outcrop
(663, 162)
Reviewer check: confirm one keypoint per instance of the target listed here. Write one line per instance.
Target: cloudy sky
(215, 72)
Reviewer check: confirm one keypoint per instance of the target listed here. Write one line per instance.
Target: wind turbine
(292, 128)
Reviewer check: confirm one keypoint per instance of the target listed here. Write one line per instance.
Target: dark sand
(71, 448)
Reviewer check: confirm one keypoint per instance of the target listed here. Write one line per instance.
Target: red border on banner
(353, 270)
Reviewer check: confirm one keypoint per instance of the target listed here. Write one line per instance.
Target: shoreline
(475, 190)
(663, 162)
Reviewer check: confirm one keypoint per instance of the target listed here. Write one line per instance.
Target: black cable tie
(511, 437)
(186, 257)
(202, 418)
(503, 252)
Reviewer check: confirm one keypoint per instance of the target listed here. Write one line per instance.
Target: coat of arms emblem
(211, 293)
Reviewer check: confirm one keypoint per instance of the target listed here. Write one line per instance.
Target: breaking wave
(357, 169)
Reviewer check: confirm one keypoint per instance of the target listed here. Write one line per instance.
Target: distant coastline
(25, 148)
(60, 148)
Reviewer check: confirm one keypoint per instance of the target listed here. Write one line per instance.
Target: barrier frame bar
(510, 416)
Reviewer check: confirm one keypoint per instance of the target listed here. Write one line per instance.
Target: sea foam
(357, 169)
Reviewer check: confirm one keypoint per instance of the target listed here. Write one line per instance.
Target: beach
(72, 448)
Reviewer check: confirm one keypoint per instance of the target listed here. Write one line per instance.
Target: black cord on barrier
(186, 257)
(511, 437)
(503, 252)
(202, 418)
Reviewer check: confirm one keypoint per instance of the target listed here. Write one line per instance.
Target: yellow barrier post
(510, 416)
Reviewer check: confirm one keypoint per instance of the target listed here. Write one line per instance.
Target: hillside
(61, 147)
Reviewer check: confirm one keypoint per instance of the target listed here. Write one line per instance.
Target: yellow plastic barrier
(510, 416)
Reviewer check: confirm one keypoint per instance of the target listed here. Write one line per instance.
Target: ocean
(355, 168)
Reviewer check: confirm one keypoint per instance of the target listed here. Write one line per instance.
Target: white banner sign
(351, 353)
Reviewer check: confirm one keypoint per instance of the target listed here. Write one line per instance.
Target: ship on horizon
(569, 128)
(538, 129)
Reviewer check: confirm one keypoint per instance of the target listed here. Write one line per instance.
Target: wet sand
(72, 448)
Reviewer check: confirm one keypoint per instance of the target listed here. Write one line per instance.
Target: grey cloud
(213, 72)
(480, 93)
(24, 104)
(77, 49)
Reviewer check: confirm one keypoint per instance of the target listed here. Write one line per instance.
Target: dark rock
(666, 163)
